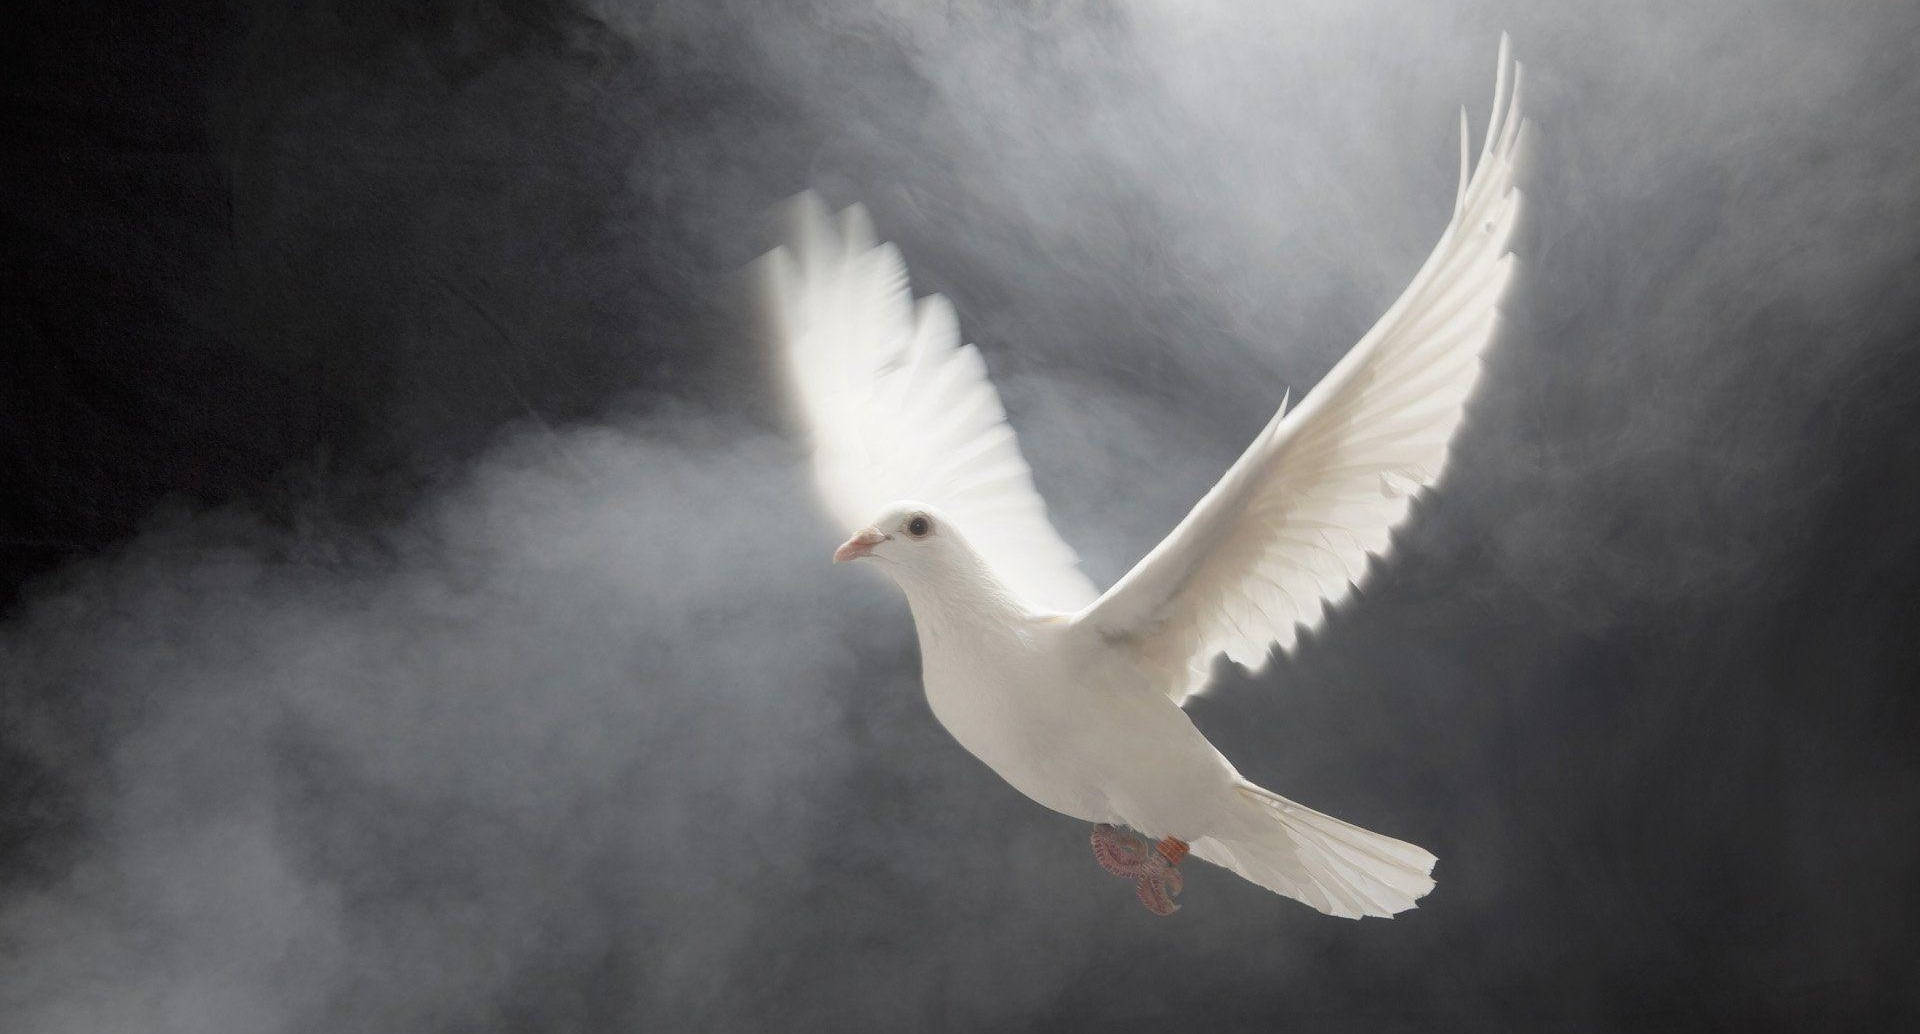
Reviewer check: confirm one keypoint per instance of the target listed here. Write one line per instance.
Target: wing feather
(1288, 530)
(895, 407)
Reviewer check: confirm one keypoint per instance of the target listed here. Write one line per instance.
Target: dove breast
(1071, 722)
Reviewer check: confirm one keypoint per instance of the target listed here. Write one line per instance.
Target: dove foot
(1151, 866)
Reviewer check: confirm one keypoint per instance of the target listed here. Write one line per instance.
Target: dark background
(415, 621)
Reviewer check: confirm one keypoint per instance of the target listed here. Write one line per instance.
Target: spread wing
(896, 408)
(1288, 529)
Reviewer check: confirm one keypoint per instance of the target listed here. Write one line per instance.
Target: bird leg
(1172, 849)
(1151, 867)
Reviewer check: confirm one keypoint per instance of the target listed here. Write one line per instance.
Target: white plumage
(1074, 697)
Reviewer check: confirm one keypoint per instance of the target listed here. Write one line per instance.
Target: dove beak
(861, 544)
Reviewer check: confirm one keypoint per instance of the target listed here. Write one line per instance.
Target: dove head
(918, 547)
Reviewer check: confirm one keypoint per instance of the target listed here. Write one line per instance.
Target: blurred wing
(1288, 529)
(896, 407)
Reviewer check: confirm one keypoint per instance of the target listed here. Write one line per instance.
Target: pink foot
(1151, 866)
(1120, 852)
(1156, 890)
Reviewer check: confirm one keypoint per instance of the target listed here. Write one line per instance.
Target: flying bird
(1075, 696)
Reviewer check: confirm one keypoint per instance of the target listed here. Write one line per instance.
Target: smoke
(351, 788)
(535, 704)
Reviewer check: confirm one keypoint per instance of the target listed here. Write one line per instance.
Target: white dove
(1075, 697)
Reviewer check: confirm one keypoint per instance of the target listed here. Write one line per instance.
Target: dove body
(1051, 707)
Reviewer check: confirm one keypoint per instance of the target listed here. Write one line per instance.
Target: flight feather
(1289, 528)
(895, 407)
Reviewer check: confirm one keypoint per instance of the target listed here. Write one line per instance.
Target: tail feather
(1333, 866)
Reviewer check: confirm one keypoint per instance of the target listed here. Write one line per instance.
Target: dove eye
(919, 526)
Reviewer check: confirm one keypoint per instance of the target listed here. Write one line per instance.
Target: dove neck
(970, 599)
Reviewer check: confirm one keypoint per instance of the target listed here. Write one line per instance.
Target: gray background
(415, 620)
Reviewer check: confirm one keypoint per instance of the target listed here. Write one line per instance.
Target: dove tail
(1337, 868)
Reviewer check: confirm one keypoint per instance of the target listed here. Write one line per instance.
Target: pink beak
(861, 544)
